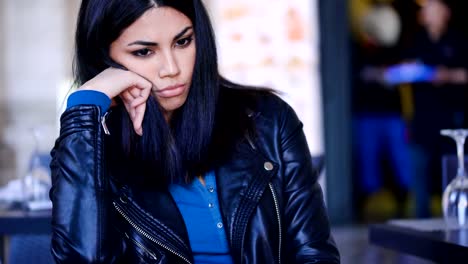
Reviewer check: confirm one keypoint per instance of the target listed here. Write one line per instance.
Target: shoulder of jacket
(264, 103)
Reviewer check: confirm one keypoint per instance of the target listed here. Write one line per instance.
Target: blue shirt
(199, 207)
(197, 203)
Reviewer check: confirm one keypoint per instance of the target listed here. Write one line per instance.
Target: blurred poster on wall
(274, 43)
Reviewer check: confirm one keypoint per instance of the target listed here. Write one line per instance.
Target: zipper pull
(103, 123)
(249, 139)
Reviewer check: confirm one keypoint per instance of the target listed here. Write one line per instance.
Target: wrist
(89, 97)
(85, 87)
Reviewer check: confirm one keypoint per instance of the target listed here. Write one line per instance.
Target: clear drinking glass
(36, 182)
(455, 196)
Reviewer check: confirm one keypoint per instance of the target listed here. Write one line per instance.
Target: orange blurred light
(420, 2)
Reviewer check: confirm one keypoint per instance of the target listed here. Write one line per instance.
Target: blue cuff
(89, 97)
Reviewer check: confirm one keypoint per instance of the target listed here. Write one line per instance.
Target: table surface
(25, 222)
(426, 238)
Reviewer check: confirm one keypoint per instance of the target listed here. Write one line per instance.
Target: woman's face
(160, 46)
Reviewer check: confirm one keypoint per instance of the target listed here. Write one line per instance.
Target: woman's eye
(184, 42)
(142, 52)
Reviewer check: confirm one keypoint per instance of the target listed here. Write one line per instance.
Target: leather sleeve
(80, 202)
(307, 226)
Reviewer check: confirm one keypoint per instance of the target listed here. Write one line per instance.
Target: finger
(136, 107)
(141, 82)
(140, 96)
(138, 101)
(138, 121)
(143, 97)
(140, 114)
(127, 99)
(127, 96)
(146, 92)
(135, 92)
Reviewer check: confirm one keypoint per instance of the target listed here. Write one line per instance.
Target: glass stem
(461, 156)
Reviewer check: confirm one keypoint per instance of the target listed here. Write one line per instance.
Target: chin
(172, 104)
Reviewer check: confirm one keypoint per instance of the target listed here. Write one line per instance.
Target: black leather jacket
(270, 200)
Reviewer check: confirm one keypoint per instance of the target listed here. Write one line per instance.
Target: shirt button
(268, 166)
(210, 205)
(211, 189)
(219, 225)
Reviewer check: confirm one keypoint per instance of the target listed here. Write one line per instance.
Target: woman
(185, 167)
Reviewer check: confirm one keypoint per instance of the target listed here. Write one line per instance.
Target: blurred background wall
(279, 50)
(35, 65)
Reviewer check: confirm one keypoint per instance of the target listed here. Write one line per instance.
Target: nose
(169, 66)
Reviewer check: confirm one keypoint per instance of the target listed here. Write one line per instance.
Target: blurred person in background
(438, 103)
(383, 165)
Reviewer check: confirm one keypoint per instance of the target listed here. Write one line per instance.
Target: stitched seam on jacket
(244, 210)
(99, 197)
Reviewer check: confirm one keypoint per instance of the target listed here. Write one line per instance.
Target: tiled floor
(355, 249)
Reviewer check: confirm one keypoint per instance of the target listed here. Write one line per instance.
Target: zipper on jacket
(249, 139)
(138, 244)
(103, 123)
(279, 219)
(142, 232)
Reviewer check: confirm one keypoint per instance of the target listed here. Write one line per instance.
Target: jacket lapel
(241, 183)
(160, 217)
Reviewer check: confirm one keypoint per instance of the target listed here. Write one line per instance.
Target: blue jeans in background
(378, 137)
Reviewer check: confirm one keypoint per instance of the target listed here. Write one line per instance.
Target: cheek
(141, 67)
(189, 60)
(144, 68)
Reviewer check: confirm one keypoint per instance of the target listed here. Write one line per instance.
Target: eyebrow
(149, 43)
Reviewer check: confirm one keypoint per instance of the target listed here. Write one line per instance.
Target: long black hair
(174, 152)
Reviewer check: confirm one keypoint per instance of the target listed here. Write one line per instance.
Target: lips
(171, 91)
